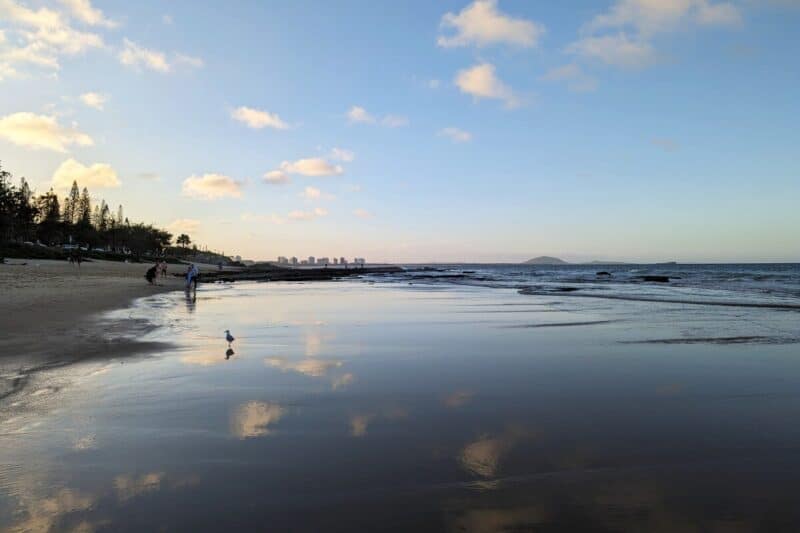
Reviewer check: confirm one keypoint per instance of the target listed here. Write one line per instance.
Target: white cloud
(307, 215)
(184, 225)
(96, 176)
(211, 187)
(721, 14)
(313, 166)
(83, 11)
(434, 84)
(649, 17)
(252, 419)
(257, 118)
(95, 100)
(41, 131)
(394, 121)
(8, 72)
(362, 213)
(276, 177)
(574, 76)
(137, 56)
(43, 35)
(358, 114)
(456, 135)
(631, 25)
(35, 53)
(311, 193)
(340, 154)
(480, 81)
(260, 219)
(616, 50)
(166, 19)
(482, 24)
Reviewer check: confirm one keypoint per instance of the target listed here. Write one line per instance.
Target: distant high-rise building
(322, 261)
(293, 260)
(283, 260)
(342, 261)
(311, 260)
(335, 260)
(304, 262)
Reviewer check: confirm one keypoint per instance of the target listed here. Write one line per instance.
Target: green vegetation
(40, 227)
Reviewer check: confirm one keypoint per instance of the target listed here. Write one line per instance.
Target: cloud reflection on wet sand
(129, 487)
(309, 367)
(251, 419)
(45, 514)
(484, 455)
(359, 423)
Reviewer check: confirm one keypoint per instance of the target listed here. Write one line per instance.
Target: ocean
(757, 285)
(446, 398)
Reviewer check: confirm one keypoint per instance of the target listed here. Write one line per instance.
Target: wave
(721, 303)
(742, 339)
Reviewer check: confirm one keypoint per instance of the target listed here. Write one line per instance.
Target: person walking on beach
(151, 274)
(191, 276)
(163, 268)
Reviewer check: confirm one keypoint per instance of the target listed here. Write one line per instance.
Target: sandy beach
(50, 307)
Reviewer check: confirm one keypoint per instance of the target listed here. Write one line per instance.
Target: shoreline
(50, 310)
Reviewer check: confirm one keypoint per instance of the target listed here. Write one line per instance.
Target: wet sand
(346, 406)
(52, 314)
(48, 307)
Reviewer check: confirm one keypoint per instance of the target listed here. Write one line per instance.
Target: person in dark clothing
(151, 274)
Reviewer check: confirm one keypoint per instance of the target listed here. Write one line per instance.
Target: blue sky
(419, 131)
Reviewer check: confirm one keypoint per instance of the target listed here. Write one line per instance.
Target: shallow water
(354, 406)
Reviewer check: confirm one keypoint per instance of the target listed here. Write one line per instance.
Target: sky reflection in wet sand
(350, 406)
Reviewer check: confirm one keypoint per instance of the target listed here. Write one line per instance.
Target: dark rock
(658, 279)
(604, 273)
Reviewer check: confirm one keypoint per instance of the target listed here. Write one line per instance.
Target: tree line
(75, 220)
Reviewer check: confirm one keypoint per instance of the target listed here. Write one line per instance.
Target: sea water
(414, 403)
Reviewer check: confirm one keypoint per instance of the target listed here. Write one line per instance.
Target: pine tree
(104, 217)
(71, 203)
(25, 211)
(84, 211)
(48, 213)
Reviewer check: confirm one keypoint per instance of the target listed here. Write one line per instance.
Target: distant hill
(545, 260)
(606, 263)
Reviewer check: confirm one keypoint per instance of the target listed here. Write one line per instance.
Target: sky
(487, 131)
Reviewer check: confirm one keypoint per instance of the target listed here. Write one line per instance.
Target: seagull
(229, 337)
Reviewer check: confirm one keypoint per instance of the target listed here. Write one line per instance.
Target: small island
(545, 260)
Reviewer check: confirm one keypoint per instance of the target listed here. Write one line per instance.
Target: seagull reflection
(229, 353)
